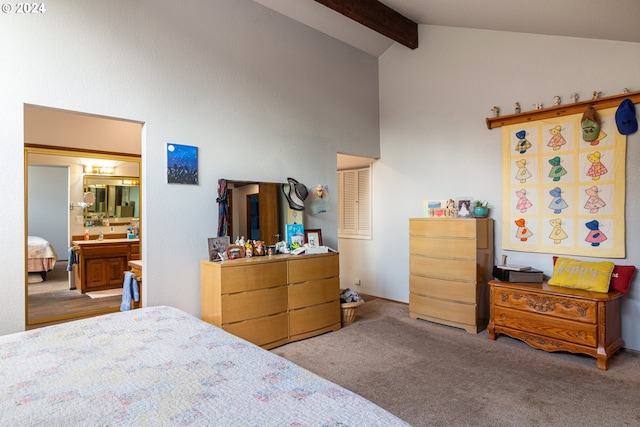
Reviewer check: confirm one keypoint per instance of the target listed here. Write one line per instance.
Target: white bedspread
(161, 366)
(40, 248)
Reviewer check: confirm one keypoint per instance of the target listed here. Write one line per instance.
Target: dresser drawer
(545, 325)
(549, 305)
(448, 269)
(308, 267)
(442, 228)
(250, 305)
(242, 278)
(261, 331)
(443, 247)
(444, 289)
(105, 250)
(313, 318)
(312, 293)
(442, 309)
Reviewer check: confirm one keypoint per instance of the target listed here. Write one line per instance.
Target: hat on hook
(590, 124)
(626, 117)
(295, 194)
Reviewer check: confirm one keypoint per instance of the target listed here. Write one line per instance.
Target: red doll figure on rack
(523, 232)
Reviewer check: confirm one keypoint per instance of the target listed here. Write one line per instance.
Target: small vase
(480, 212)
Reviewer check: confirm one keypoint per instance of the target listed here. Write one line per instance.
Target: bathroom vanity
(101, 264)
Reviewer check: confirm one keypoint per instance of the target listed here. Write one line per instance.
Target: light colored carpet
(57, 280)
(429, 374)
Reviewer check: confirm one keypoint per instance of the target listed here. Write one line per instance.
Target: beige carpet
(429, 374)
(57, 280)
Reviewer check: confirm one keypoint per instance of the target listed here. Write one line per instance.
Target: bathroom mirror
(115, 197)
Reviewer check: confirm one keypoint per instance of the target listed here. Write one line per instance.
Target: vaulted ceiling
(599, 19)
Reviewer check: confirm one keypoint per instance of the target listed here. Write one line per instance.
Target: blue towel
(72, 259)
(129, 290)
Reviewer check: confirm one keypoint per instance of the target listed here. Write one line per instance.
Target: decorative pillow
(588, 275)
(620, 277)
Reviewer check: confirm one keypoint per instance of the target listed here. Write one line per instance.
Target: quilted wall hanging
(564, 185)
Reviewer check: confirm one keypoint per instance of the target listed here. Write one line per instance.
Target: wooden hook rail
(562, 110)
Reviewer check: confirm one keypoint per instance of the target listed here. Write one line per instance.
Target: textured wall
(261, 96)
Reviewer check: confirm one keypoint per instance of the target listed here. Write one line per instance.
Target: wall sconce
(99, 170)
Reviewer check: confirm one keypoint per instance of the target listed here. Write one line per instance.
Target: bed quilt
(40, 248)
(161, 366)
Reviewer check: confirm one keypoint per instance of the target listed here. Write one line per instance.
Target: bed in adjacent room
(162, 366)
(41, 257)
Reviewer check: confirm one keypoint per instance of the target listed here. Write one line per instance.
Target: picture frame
(465, 207)
(429, 207)
(313, 237)
(182, 164)
(295, 234)
(217, 247)
(235, 251)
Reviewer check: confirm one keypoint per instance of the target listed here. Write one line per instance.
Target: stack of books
(517, 273)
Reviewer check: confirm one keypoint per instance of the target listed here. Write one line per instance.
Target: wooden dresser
(552, 318)
(449, 263)
(272, 300)
(102, 263)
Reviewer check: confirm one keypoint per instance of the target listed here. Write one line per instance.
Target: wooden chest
(557, 319)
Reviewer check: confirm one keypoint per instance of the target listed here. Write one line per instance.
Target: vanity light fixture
(99, 170)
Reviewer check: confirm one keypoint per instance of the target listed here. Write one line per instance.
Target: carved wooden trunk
(557, 319)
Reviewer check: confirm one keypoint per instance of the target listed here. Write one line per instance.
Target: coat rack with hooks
(561, 110)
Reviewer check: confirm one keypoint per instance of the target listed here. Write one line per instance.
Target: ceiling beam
(379, 17)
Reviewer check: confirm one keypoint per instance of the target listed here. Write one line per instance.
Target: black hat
(295, 194)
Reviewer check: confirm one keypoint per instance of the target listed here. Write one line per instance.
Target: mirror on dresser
(255, 210)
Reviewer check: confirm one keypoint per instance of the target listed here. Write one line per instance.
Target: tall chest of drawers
(450, 261)
(272, 300)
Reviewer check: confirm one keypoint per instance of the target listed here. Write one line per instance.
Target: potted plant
(481, 209)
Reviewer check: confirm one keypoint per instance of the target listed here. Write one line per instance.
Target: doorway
(89, 138)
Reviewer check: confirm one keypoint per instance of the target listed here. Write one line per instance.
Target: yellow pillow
(588, 275)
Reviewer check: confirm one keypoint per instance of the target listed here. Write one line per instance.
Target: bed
(41, 257)
(162, 366)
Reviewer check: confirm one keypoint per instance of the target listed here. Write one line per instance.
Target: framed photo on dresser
(218, 248)
(313, 237)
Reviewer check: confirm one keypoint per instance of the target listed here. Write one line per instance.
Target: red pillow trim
(620, 277)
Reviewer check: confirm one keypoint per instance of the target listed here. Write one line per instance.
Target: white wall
(262, 96)
(435, 143)
(49, 206)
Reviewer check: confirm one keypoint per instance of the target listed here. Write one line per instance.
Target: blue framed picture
(182, 164)
(295, 235)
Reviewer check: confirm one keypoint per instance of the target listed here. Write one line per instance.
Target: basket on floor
(349, 310)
